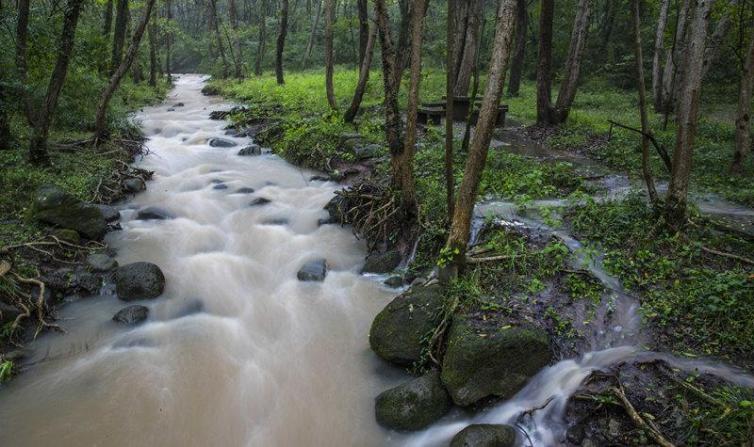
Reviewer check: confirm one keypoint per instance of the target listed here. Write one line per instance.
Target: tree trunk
(168, 41)
(645, 166)
(391, 81)
(214, 25)
(22, 35)
(119, 37)
(570, 82)
(662, 23)
(467, 53)
(329, 56)
(5, 135)
(361, 86)
(673, 55)
(687, 113)
(107, 18)
(458, 238)
(262, 46)
(364, 28)
(452, 26)
(133, 49)
(544, 64)
(282, 32)
(152, 54)
(236, 49)
(41, 129)
(716, 40)
(743, 117)
(519, 52)
(315, 24)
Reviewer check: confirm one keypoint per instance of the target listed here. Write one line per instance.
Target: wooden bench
(434, 111)
(428, 114)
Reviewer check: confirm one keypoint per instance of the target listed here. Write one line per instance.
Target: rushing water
(237, 352)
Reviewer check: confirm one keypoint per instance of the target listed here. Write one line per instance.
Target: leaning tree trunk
(645, 166)
(236, 49)
(282, 32)
(361, 86)
(460, 229)
(393, 122)
(673, 56)
(544, 64)
(329, 56)
(519, 52)
(467, 53)
(41, 129)
(151, 31)
(119, 37)
(262, 46)
(100, 122)
(364, 29)
(215, 29)
(743, 117)
(450, 41)
(688, 113)
(662, 23)
(570, 83)
(312, 33)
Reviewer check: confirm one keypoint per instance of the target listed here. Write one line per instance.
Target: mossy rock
(413, 405)
(382, 262)
(398, 332)
(56, 207)
(485, 435)
(491, 358)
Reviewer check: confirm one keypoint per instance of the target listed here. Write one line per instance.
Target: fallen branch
(473, 260)
(712, 251)
(661, 151)
(649, 427)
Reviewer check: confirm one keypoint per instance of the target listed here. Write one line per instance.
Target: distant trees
(282, 32)
(743, 114)
(519, 53)
(329, 56)
(119, 35)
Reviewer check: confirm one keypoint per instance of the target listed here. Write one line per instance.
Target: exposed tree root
(640, 422)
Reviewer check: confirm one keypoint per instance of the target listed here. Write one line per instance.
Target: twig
(472, 260)
(712, 251)
(661, 151)
(638, 420)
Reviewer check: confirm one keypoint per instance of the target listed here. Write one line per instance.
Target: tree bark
(450, 181)
(544, 64)
(282, 32)
(41, 129)
(312, 33)
(5, 134)
(570, 82)
(236, 49)
(100, 122)
(458, 238)
(722, 28)
(329, 56)
(107, 18)
(672, 56)
(364, 29)
(743, 116)
(152, 54)
(687, 113)
(519, 52)
(22, 68)
(168, 41)
(467, 52)
(214, 27)
(645, 166)
(361, 86)
(662, 23)
(391, 81)
(262, 46)
(119, 36)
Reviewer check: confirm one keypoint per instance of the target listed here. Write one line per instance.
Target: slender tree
(672, 56)
(688, 111)
(153, 65)
(119, 36)
(43, 116)
(329, 56)
(519, 52)
(662, 23)
(282, 32)
(262, 46)
(5, 134)
(362, 7)
(743, 115)
(168, 40)
(712, 51)
(361, 86)
(236, 48)
(313, 32)
(107, 18)
(214, 28)
(544, 64)
(391, 81)
(459, 235)
(22, 35)
(100, 121)
(466, 52)
(450, 42)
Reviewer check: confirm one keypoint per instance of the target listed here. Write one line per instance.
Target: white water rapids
(238, 352)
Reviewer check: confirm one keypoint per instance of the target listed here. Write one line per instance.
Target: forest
(377, 222)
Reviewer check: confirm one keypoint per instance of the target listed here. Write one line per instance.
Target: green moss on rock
(413, 405)
(485, 435)
(56, 207)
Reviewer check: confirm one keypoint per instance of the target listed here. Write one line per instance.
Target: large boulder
(54, 206)
(398, 331)
(413, 405)
(222, 142)
(139, 281)
(250, 150)
(486, 357)
(485, 435)
(382, 262)
(313, 271)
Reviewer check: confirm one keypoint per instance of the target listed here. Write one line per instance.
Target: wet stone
(485, 435)
(220, 186)
(110, 213)
(259, 201)
(250, 150)
(100, 262)
(153, 213)
(245, 190)
(313, 271)
(139, 281)
(222, 143)
(131, 315)
(276, 221)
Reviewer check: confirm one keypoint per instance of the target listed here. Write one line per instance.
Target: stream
(238, 351)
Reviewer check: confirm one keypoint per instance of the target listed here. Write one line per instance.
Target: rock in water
(139, 281)
(245, 190)
(489, 358)
(221, 142)
(382, 262)
(398, 331)
(485, 435)
(100, 262)
(111, 214)
(413, 405)
(153, 213)
(252, 149)
(337, 207)
(313, 271)
(134, 185)
(259, 201)
(132, 315)
(54, 206)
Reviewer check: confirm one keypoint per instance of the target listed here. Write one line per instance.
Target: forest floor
(30, 251)
(695, 289)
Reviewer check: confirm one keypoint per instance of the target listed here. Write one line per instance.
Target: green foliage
(6, 370)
